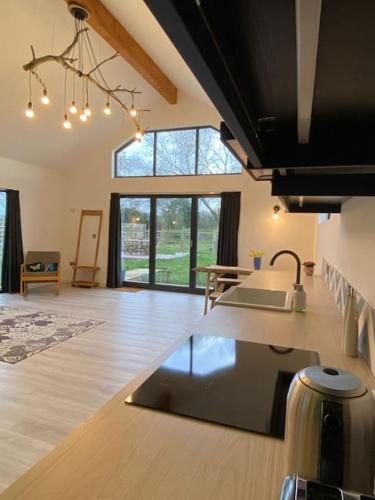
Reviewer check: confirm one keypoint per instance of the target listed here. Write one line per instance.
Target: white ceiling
(48, 25)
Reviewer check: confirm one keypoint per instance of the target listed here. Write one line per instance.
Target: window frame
(154, 173)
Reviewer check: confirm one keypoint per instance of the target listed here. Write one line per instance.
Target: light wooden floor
(43, 398)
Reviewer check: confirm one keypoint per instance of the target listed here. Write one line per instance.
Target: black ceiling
(244, 53)
(343, 117)
(261, 51)
(345, 77)
(257, 39)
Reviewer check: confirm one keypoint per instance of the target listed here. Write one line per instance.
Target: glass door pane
(207, 234)
(135, 239)
(2, 228)
(173, 240)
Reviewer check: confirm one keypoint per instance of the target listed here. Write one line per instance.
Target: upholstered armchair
(41, 267)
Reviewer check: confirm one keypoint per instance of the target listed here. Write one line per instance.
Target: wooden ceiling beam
(107, 26)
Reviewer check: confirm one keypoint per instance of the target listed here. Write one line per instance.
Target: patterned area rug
(24, 332)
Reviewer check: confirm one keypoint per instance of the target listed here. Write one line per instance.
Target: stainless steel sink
(256, 298)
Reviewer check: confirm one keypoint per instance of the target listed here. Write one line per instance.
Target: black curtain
(227, 248)
(114, 278)
(13, 248)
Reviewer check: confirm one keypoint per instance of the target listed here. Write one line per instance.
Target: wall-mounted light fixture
(276, 210)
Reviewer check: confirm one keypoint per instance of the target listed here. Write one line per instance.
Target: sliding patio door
(165, 237)
(135, 239)
(2, 229)
(208, 219)
(173, 241)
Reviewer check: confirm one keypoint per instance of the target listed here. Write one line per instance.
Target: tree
(137, 158)
(212, 207)
(173, 213)
(214, 157)
(176, 154)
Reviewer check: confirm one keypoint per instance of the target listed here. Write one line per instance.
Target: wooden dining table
(214, 272)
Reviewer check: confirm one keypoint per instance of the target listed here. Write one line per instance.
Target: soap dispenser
(299, 298)
(350, 330)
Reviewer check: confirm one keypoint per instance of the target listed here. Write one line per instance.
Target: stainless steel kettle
(330, 429)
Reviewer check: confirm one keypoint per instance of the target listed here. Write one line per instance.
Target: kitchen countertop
(127, 452)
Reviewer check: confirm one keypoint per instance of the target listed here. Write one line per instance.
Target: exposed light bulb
(139, 135)
(107, 109)
(45, 99)
(275, 216)
(83, 117)
(29, 112)
(67, 124)
(73, 108)
(133, 111)
(87, 109)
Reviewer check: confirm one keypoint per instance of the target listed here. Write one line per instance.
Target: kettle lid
(332, 381)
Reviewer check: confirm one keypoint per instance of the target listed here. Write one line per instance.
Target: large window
(191, 151)
(164, 237)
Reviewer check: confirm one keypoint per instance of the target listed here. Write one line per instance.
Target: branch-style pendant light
(79, 60)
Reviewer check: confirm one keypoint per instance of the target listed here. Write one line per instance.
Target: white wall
(88, 183)
(41, 202)
(347, 241)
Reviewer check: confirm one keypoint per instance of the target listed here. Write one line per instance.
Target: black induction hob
(226, 381)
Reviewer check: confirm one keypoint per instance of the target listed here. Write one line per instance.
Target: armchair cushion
(39, 267)
(51, 268)
(34, 267)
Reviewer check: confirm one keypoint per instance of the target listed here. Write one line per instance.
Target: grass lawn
(177, 269)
